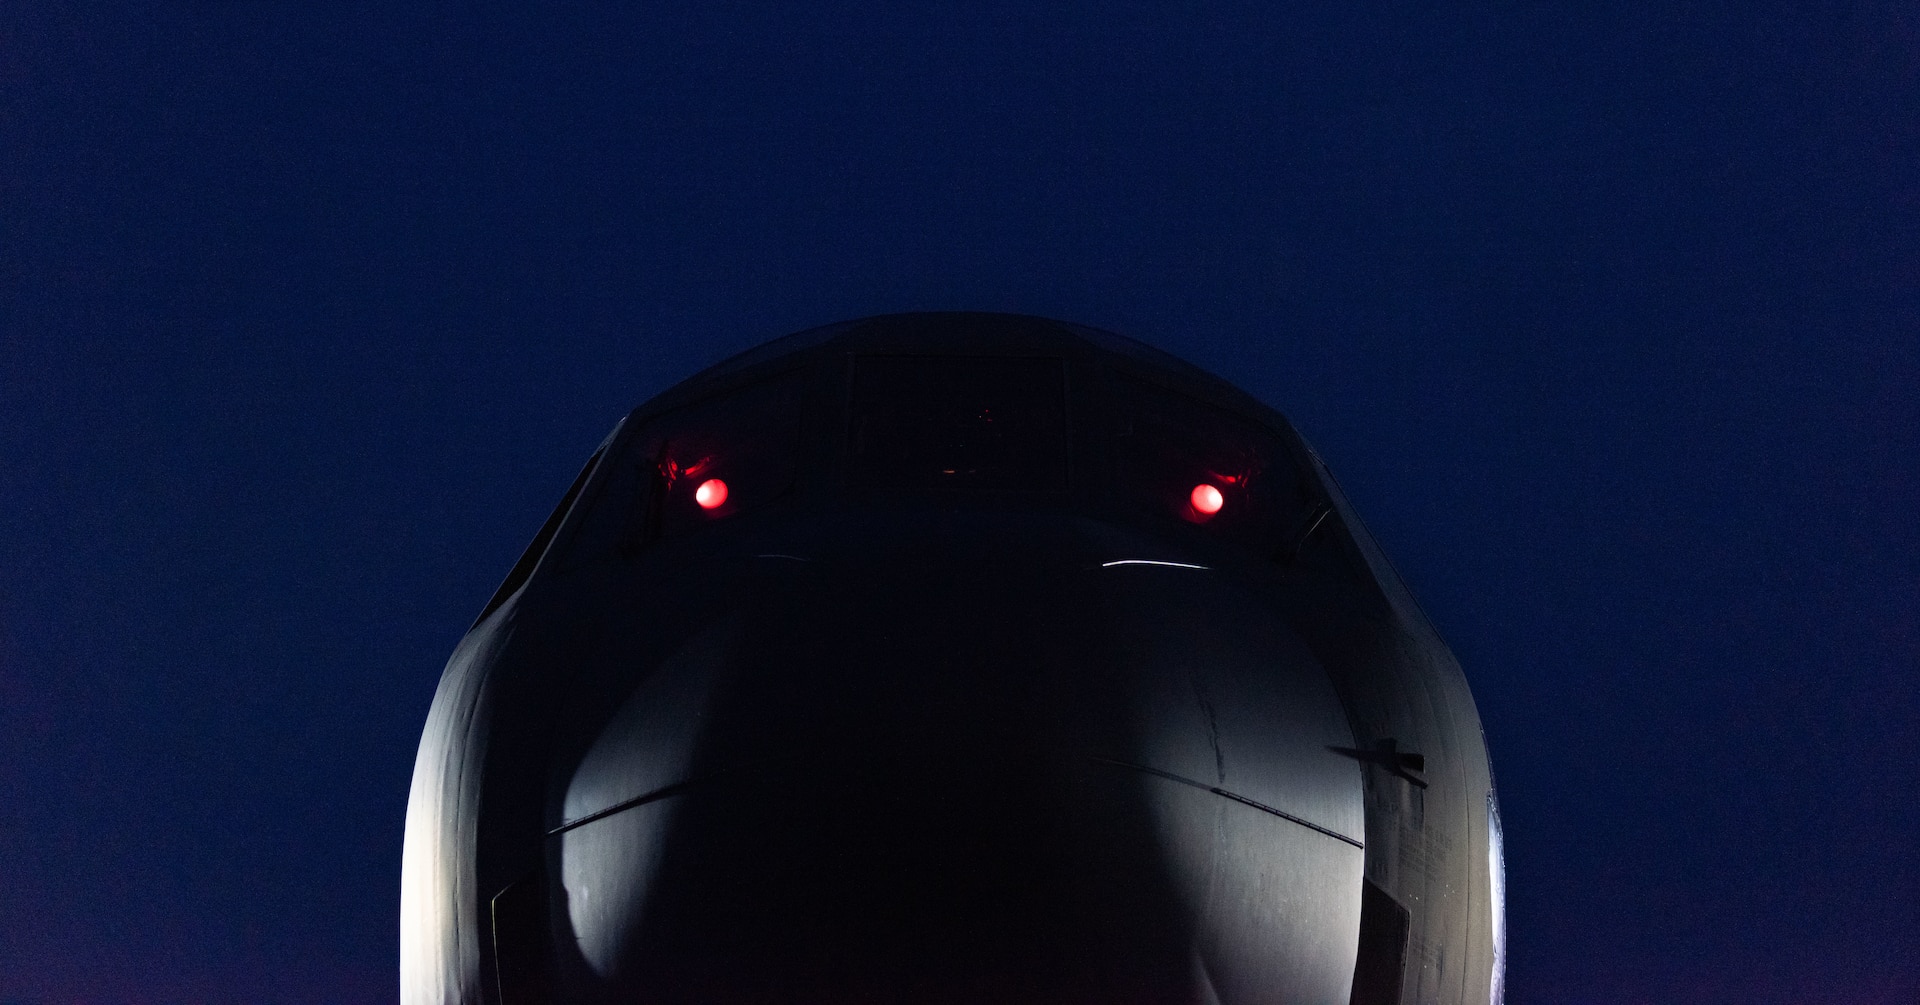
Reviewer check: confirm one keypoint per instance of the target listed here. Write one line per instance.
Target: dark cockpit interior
(965, 431)
(1035, 420)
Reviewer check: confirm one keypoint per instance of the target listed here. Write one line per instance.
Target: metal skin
(893, 727)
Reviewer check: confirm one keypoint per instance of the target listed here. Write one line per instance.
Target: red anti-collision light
(711, 494)
(1206, 499)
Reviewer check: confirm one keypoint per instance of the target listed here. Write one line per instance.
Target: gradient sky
(1608, 322)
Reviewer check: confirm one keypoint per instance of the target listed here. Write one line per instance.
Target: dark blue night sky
(1609, 323)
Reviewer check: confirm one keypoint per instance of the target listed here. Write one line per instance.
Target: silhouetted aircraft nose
(952, 658)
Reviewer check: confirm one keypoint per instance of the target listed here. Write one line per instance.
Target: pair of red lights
(1205, 499)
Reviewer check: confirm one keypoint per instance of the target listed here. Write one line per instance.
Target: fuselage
(944, 658)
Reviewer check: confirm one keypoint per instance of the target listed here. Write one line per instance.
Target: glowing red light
(1206, 499)
(711, 494)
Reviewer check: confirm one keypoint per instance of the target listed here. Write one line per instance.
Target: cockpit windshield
(968, 424)
(946, 422)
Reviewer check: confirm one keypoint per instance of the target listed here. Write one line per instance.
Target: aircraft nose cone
(988, 779)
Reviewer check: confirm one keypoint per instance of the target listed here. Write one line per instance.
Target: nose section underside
(1015, 777)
